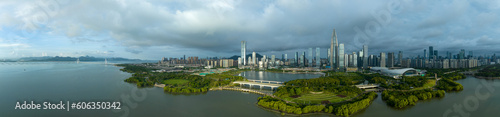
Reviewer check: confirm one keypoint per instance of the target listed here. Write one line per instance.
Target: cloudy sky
(151, 29)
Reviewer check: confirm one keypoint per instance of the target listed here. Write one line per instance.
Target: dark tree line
(490, 71)
(131, 68)
(351, 107)
(406, 83)
(289, 91)
(339, 109)
(449, 85)
(401, 99)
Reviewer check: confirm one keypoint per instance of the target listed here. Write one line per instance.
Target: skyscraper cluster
(341, 61)
(255, 60)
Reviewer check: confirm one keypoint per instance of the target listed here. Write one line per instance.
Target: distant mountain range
(91, 58)
(58, 58)
(235, 57)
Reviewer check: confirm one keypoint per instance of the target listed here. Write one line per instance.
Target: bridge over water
(261, 83)
(368, 86)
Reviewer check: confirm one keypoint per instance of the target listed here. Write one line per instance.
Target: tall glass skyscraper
(431, 52)
(341, 57)
(360, 59)
(346, 61)
(328, 55)
(297, 58)
(382, 59)
(318, 59)
(425, 54)
(400, 57)
(365, 56)
(273, 60)
(310, 57)
(334, 49)
(390, 59)
(435, 54)
(303, 59)
(243, 52)
(354, 59)
(286, 58)
(254, 58)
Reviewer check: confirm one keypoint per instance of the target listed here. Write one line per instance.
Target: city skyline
(272, 27)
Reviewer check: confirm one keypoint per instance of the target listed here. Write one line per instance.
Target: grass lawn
(317, 98)
(176, 81)
(430, 83)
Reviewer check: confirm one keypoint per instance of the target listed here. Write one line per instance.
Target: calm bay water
(68, 81)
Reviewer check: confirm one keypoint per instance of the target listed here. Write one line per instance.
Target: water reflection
(261, 75)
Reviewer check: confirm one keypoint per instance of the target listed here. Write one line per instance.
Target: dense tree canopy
(401, 99)
(351, 107)
(334, 82)
(340, 109)
(449, 85)
(490, 71)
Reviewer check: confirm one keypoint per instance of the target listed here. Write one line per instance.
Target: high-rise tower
(431, 52)
(273, 60)
(341, 57)
(328, 56)
(390, 59)
(382, 60)
(286, 58)
(254, 58)
(365, 56)
(310, 59)
(400, 57)
(296, 58)
(425, 54)
(243, 52)
(334, 58)
(318, 58)
(304, 59)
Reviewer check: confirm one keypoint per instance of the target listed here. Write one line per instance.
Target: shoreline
(482, 77)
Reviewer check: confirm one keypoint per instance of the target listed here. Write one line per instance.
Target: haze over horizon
(151, 29)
